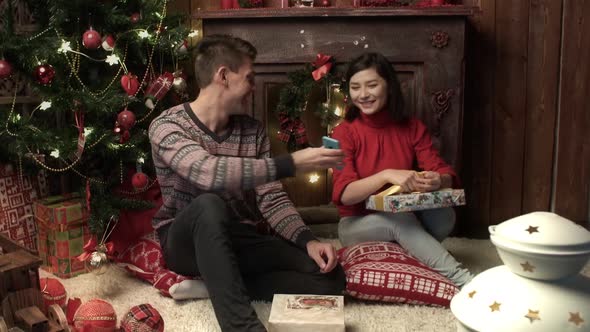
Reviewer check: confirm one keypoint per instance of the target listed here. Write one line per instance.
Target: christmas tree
(102, 70)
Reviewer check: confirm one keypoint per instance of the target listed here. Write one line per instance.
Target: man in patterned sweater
(218, 181)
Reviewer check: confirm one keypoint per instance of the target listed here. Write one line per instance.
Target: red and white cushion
(145, 260)
(384, 271)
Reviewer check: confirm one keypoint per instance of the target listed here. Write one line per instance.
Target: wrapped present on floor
(17, 193)
(392, 200)
(299, 313)
(63, 231)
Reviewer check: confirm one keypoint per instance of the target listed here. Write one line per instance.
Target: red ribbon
(92, 246)
(323, 65)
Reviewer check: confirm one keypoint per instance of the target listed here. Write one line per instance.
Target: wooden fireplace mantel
(425, 45)
(335, 12)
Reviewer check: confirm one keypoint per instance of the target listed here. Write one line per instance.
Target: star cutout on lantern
(533, 315)
(576, 319)
(472, 294)
(528, 267)
(495, 306)
(112, 59)
(314, 178)
(45, 105)
(65, 47)
(533, 229)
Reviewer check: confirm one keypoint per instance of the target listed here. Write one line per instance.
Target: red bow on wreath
(323, 65)
(92, 245)
(291, 127)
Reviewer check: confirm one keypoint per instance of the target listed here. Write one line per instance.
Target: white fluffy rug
(123, 292)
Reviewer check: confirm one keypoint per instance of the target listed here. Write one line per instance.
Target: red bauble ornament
(108, 43)
(135, 17)
(44, 74)
(53, 292)
(139, 181)
(91, 39)
(126, 119)
(437, 2)
(130, 84)
(96, 315)
(5, 69)
(326, 3)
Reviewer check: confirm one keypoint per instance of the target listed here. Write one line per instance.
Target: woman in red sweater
(382, 143)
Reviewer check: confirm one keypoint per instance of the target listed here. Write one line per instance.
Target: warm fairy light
(338, 111)
(141, 160)
(143, 34)
(45, 105)
(65, 47)
(314, 178)
(112, 59)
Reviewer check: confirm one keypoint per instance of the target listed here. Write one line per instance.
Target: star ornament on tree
(112, 59)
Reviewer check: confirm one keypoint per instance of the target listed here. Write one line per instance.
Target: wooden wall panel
(509, 106)
(572, 178)
(541, 109)
(478, 126)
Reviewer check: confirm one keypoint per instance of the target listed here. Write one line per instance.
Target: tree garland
(294, 96)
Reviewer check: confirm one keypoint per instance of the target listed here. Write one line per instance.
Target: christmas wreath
(294, 96)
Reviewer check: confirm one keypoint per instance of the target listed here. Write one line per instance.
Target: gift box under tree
(17, 193)
(63, 231)
(390, 200)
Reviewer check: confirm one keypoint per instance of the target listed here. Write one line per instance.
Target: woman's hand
(428, 181)
(407, 179)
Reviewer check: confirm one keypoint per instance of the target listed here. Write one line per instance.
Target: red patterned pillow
(143, 258)
(384, 271)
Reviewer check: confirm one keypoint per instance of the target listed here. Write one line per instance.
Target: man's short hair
(220, 50)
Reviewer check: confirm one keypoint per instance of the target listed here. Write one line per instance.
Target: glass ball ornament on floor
(44, 74)
(98, 263)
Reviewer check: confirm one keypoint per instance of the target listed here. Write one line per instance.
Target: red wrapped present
(17, 195)
(63, 231)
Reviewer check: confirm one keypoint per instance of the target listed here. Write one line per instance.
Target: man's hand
(314, 159)
(324, 254)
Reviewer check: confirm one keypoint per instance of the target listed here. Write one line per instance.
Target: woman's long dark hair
(395, 101)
